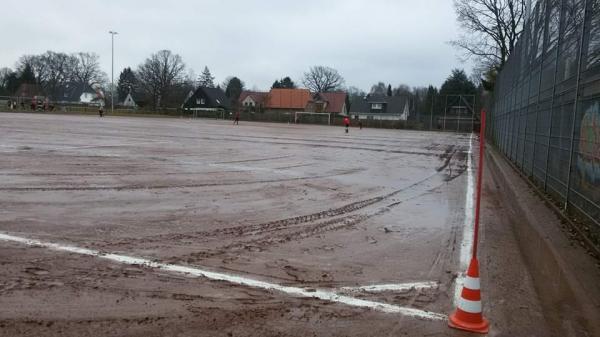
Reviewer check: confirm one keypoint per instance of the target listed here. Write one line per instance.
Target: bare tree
(4, 74)
(322, 79)
(60, 72)
(57, 72)
(36, 64)
(402, 90)
(87, 70)
(491, 29)
(160, 73)
(378, 89)
(52, 70)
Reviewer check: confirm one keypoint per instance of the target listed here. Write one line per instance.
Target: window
(377, 106)
(200, 101)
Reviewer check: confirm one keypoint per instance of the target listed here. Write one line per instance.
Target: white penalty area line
(321, 294)
(393, 287)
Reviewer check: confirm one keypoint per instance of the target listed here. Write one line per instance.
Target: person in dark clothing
(236, 121)
(101, 111)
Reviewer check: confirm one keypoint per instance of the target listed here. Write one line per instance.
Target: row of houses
(208, 99)
(301, 100)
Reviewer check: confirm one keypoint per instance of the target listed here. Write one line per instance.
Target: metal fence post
(445, 107)
(558, 45)
(537, 103)
(432, 102)
(514, 123)
(473, 116)
(526, 119)
(575, 105)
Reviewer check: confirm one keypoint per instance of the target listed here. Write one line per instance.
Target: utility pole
(432, 101)
(112, 72)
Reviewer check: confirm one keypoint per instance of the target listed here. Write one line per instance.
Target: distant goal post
(312, 117)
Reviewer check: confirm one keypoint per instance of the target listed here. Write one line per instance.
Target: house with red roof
(295, 100)
(330, 102)
(253, 100)
(287, 100)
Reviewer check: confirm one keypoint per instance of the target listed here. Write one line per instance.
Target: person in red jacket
(347, 123)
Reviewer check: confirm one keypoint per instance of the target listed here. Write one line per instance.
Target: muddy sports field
(178, 227)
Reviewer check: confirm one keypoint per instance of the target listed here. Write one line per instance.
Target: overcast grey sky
(394, 41)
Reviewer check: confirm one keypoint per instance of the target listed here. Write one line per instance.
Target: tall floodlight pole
(112, 71)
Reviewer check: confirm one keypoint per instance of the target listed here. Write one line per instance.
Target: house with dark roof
(330, 102)
(133, 99)
(79, 93)
(129, 102)
(207, 99)
(380, 107)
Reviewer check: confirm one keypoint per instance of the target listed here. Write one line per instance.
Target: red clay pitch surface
(304, 208)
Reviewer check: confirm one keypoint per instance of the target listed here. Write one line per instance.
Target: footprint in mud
(371, 240)
(328, 248)
(292, 271)
(36, 271)
(184, 297)
(253, 248)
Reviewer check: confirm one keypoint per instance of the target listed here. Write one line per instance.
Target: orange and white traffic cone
(468, 315)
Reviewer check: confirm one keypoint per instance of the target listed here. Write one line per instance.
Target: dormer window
(376, 106)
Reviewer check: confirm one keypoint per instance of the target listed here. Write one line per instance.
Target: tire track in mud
(334, 219)
(257, 229)
(308, 229)
(102, 174)
(168, 186)
(389, 141)
(270, 140)
(253, 160)
(260, 244)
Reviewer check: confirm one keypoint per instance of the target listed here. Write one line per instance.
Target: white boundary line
(326, 295)
(467, 234)
(394, 287)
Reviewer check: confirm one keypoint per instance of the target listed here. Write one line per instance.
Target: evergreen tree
(27, 75)
(287, 83)
(234, 89)
(458, 84)
(389, 90)
(206, 79)
(284, 83)
(9, 82)
(127, 84)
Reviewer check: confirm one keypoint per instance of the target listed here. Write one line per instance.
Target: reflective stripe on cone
(468, 316)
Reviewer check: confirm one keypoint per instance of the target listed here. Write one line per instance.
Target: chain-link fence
(546, 111)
